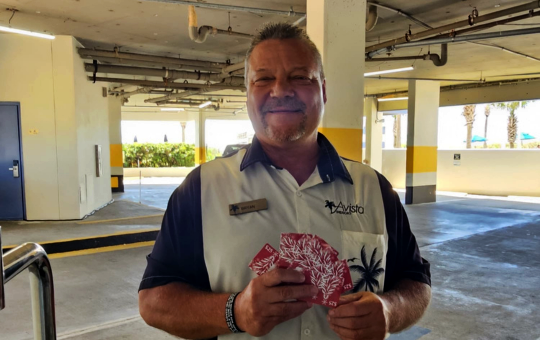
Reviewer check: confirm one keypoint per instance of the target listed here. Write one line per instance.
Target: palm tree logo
(330, 205)
(368, 272)
(234, 208)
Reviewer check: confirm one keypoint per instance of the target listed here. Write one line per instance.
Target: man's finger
(349, 334)
(355, 309)
(279, 275)
(351, 323)
(344, 299)
(285, 293)
(285, 309)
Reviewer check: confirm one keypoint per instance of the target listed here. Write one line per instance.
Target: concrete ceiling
(159, 28)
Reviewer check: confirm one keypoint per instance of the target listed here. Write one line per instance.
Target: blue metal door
(11, 180)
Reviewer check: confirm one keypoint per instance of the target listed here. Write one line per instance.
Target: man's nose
(282, 88)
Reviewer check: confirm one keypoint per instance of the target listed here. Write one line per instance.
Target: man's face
(285, 95)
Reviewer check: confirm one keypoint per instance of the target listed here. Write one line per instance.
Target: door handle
(15, 169)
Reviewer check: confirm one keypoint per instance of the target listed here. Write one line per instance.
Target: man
(200, 259)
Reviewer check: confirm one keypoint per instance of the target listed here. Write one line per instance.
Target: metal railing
(33, 257)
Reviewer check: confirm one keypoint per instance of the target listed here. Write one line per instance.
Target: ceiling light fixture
(32, 34)
(404, 69)
(205, 104)
(172, 109)
(391, 99)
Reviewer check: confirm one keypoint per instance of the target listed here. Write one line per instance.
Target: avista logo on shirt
(344, 209)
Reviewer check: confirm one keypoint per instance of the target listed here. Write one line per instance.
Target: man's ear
(324, 90)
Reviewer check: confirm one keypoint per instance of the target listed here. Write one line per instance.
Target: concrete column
(337, 27)
(183, 125)
(423, 113)
(200, 139)
(115, 140)
(374, 132)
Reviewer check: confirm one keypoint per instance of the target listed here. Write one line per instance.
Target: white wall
(484, 172)
(92, 129)
(45, 78)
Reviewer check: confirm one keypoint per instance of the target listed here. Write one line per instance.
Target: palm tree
(487, 111)
(397, 131)
(368, 272)
(468, 113)
(511, 107)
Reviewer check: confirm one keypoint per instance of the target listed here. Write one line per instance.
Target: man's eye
(263, 79)
(300, 78)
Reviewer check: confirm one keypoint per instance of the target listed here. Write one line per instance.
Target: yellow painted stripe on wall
(114, 182)
(348, 142)
(117, 158)
(200, 155)
(421, 159)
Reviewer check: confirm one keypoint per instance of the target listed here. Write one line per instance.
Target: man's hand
(261, 306)
(360, 316)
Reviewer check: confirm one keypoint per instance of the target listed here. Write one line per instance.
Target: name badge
(247, 207)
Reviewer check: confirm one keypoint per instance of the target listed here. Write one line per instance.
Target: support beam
(421, 178)
(333, 25)
(115, 140)
(374, 132)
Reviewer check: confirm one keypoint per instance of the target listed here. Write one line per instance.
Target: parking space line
(101, 250)
(95, 328)
(119, 219)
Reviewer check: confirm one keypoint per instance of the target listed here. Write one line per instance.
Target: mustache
(289, 103)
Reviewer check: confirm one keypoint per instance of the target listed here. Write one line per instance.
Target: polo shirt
(348, 204)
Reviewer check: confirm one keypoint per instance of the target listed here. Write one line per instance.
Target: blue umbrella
(525, 136)
(477, 138)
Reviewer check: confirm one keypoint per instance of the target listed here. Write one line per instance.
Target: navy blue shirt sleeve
(403, 260)
(178, 254)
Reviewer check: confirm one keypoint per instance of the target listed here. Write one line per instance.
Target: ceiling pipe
(371, 19)
(199, 34)
(145, 57)
(400, 12)
(435, 58)
(464, 38)
(168, 85)
(449, 27)
(485, 26)
(290, 13)
(125, 62)
(138, 91)
(164, 73)
(440, 61)
(173, 96)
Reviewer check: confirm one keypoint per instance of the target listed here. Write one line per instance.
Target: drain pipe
(440, 61)
(197, 34)
(372, 17)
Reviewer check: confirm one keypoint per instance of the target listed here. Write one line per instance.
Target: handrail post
(34, 257)
(2, 275)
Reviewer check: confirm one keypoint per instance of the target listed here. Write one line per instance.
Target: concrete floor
(485, 257)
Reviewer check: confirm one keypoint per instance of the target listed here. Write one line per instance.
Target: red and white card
(264, 260)
(315, 258)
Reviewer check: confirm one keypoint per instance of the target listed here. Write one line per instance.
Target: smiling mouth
(284, 110)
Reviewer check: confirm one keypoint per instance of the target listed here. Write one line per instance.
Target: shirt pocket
(366, 258)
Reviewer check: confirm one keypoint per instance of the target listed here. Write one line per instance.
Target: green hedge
(163, 155)
(159, 155)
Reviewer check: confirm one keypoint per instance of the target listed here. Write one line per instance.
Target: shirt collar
(330, 164)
